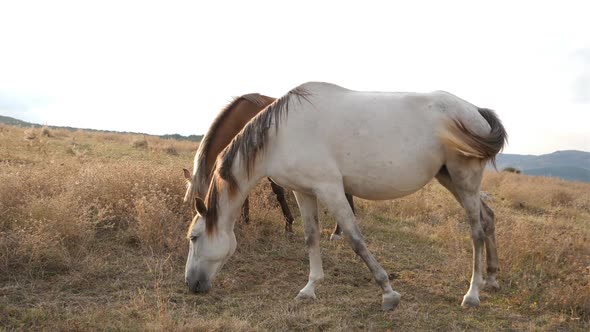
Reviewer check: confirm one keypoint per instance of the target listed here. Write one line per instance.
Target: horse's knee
(357, 243)
(477, 233)
(312, 234)
(311, 239)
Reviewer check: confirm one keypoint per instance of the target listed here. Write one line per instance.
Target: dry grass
(92, 237)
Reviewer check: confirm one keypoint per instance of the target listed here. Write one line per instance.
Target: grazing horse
(224, 128)
(321, 141)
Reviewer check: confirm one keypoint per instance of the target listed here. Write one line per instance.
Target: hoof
(470, 302)
(390, 301)
(334, 237)
(304, 296)
(491, 285)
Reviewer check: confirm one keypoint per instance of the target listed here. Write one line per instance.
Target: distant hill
(15, 122)
(569, 165)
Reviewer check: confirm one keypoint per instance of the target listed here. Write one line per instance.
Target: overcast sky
(164, 67)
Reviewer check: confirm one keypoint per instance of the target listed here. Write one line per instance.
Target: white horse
(321, 140)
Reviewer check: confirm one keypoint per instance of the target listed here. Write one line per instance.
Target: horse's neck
(232, 203)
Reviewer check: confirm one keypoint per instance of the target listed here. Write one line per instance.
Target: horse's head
(208, 251)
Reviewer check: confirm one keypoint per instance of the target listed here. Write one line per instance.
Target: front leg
(309, 213)
(336, 202)
(337, 230)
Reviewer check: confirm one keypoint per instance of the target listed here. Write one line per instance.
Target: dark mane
(201, 177)
(248, 143)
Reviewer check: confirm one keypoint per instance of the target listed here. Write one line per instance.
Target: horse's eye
(193, 238)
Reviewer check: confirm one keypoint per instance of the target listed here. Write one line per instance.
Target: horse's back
(381, 145)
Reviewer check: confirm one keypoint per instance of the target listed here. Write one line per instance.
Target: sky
(164, 67)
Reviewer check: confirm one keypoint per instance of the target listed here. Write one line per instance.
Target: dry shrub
(538, 195)
(76, 150)
(54, 212)
(62, 215)
(140, 143)
(12, 197)
(156, 226)
(30, 134)
(545, 263)
(109, 137)
(45, 132)
(170, 149)
(561, 198)
(40, 249)
(60, 133)
(47, 230)
(185, 147)
(546, 250)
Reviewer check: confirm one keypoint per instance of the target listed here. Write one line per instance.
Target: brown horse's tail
(461, 139)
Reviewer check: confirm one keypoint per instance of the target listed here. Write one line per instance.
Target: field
(93, 237)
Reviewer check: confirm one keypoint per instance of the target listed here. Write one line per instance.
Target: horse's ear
(187, 174)
(200, 206)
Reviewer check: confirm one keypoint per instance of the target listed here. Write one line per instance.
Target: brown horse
(228, 123)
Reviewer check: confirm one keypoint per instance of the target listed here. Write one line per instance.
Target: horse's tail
(461, 139)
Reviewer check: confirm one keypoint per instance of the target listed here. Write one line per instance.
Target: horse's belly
(387, 185)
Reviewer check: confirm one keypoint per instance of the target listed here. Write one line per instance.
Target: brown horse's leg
(337, 230)
(280, 192)
(246, 211)
(489, 227)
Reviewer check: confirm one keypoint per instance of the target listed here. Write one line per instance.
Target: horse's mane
(200, 176)
(248, 143)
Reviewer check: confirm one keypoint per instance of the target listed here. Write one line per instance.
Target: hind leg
(489, 227)
(280, 193)
(466, 175)
(245, 217)
(488, 224)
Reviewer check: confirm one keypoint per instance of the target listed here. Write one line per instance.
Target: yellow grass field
(92, 237)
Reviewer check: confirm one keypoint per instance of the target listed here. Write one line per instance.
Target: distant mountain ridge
(15, 122)
(569, 164)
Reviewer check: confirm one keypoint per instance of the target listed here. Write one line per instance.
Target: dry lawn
(92, 237)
